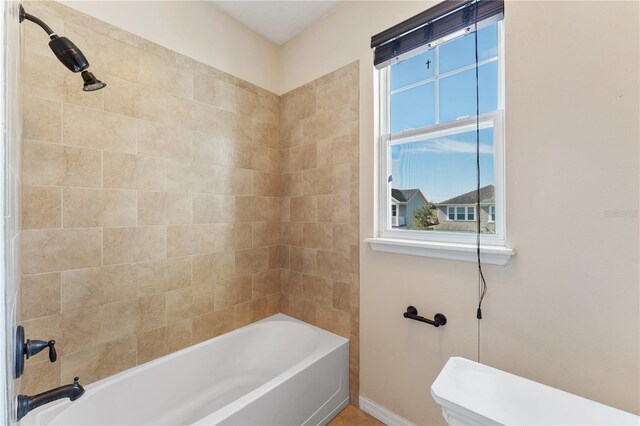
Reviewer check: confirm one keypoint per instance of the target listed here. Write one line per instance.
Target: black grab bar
(438, 320)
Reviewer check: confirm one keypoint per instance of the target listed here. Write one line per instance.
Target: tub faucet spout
(28, 403)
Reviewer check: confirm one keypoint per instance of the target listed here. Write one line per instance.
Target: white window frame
(442, 244)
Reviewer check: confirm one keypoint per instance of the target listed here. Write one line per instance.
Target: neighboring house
(459, 213)
(404, 202)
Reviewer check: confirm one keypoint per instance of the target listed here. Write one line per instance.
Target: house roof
(471, 226)
(404, 195)
(487, 196)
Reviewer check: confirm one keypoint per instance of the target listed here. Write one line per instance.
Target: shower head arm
(24, 15)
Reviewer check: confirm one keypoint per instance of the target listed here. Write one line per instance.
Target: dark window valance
(434, 23)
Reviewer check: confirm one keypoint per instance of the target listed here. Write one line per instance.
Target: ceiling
(278, 21)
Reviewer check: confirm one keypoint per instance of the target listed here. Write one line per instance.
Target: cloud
(442, 146)
(439, 146)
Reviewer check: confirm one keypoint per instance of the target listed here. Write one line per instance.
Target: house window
(427, 136)
(461, 213)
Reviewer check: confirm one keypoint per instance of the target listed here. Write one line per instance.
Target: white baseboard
(386, 416)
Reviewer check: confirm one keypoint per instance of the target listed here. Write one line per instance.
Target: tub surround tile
(45, 78)
(160, 139)
(165, 340)
(225, 265)
(179, 305)
(42, 119)
(40, 295)
(49, 250)
(87, 208)
(98, 362)
(41, 207)
(97, 286)
(120, 319)
(80, 328)
(243, 314)
(40, 377)
(179, 203)
(90, 128)
(232, 292)
(153, 312)
(163, 208)
(128, 171)
(163, 275)
(134, 244)
(56, 165)
(203, 269)
(319, 125)
(211, 325)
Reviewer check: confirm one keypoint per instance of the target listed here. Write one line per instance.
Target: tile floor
(352, 416)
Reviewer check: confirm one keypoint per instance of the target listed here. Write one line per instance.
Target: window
(427, 136)
(394, 215)
(467, 213)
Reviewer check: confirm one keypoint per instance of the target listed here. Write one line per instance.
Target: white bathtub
(278, 371)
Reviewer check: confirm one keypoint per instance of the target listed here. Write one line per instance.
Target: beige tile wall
(175, 204)
(319, 123)
(151, 209)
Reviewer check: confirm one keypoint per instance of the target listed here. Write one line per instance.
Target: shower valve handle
(32, 347)
(53, 355)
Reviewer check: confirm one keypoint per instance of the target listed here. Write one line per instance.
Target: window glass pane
(443, 170)
(457, 96)
(417, 68)
(460, 52)
(470, 213)
(413, 108)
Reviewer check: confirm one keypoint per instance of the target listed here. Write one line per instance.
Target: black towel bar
(438, 319)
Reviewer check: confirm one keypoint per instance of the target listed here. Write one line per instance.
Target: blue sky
(444, 167)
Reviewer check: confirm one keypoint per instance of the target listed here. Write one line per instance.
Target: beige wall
(151, 208)
(565, 310)
(197, 30)
(319, 123)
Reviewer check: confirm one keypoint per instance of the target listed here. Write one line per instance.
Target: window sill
(492, 255)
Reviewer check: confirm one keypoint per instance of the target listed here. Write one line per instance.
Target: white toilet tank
(474, 394)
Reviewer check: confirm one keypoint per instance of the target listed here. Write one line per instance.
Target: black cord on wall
(482, 284)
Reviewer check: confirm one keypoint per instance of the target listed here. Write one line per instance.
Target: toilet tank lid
(509, 399)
